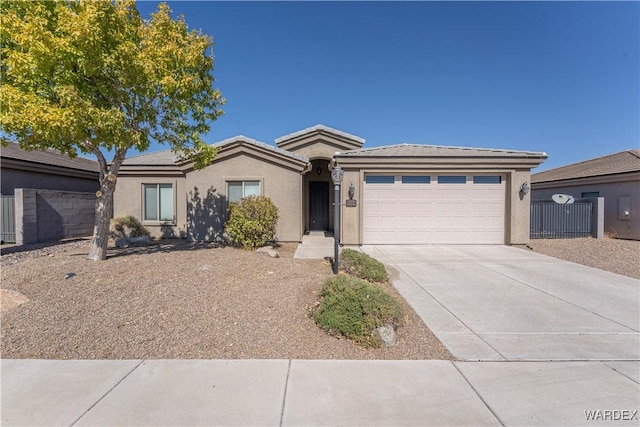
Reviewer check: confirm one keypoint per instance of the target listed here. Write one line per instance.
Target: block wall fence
(45, 215)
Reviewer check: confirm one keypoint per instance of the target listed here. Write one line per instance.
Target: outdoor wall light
(524, 188)
(352, 190)
(319, 170)
(336, 175)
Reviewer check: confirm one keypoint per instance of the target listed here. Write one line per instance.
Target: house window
(416, 179)
(238, 190)
(452, 179)
(379, 179)
(587, 194)
(487, 179)
(158, 202)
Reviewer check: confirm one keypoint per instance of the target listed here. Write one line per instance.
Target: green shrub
(363, 266)
(355, 308)
(251, 223)
(127, 226)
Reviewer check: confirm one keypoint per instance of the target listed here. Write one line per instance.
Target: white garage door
(434, 209)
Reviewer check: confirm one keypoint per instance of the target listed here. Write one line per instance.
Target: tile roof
(169, 158)
(419, 150)
(48, 157)
(319, 128)
(158, 158)
(622, 162)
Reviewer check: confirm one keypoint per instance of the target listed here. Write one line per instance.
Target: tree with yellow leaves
(92, 76)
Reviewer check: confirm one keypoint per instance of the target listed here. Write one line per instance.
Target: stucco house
(45, 170)
(45, 195)
(615, 177)
(402, 194)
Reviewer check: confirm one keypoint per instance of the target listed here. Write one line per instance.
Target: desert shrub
(127, 226)
(363, 266)
(251, 222)
(355, 308)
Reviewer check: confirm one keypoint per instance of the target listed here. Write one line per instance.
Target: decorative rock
(386, 335)
(11, 299)
(269, 251)
(133, 242)
(122, 243)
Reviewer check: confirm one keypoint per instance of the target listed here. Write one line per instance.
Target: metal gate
(555, 221)
(8, 220)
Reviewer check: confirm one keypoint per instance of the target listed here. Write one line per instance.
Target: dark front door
(318, 206)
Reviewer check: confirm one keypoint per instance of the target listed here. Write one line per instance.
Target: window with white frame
(158, 202)
(238, 190)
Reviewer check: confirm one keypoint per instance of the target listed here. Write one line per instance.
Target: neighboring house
(46, 170)
(404, 194)
(46, 195)
(615, 177)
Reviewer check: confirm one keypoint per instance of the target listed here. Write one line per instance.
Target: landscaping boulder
(269, 251)
(386, 335)
(133, 242)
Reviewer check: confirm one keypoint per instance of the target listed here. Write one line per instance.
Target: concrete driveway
(507, 303)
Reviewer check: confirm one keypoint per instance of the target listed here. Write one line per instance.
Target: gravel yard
(614, 255)
(177, 300)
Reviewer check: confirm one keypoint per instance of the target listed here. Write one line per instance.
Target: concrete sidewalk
(317, 392)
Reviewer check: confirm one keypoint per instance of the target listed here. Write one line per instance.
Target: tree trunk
(104, 207)
(104, 204)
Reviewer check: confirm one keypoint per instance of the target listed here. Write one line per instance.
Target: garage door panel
(387, 193)
(370, 222)
(432, 213)
(422, 208)
(406, 208)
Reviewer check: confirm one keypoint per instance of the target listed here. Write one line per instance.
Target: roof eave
(587, 180)
(440, 162)
(317, 129)
(30, 166)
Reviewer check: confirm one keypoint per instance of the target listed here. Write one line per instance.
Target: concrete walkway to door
(495, 303)
(316, 245)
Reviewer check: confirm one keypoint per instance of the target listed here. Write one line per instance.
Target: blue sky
(542, 76)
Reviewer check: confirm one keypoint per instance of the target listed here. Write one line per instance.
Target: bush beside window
(124, 227)
(251, 222)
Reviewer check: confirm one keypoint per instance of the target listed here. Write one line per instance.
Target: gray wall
(44, 215)
(625, 228)
(17, 178)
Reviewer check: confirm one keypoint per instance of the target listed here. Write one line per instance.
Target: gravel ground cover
(614, 255)
(178, 300)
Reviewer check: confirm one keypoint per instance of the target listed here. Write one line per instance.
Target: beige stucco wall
(281, 185)
(200, 198)
(350, 224)
(612, 192)
(127, 200)
(317, 150)
(518, 208)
